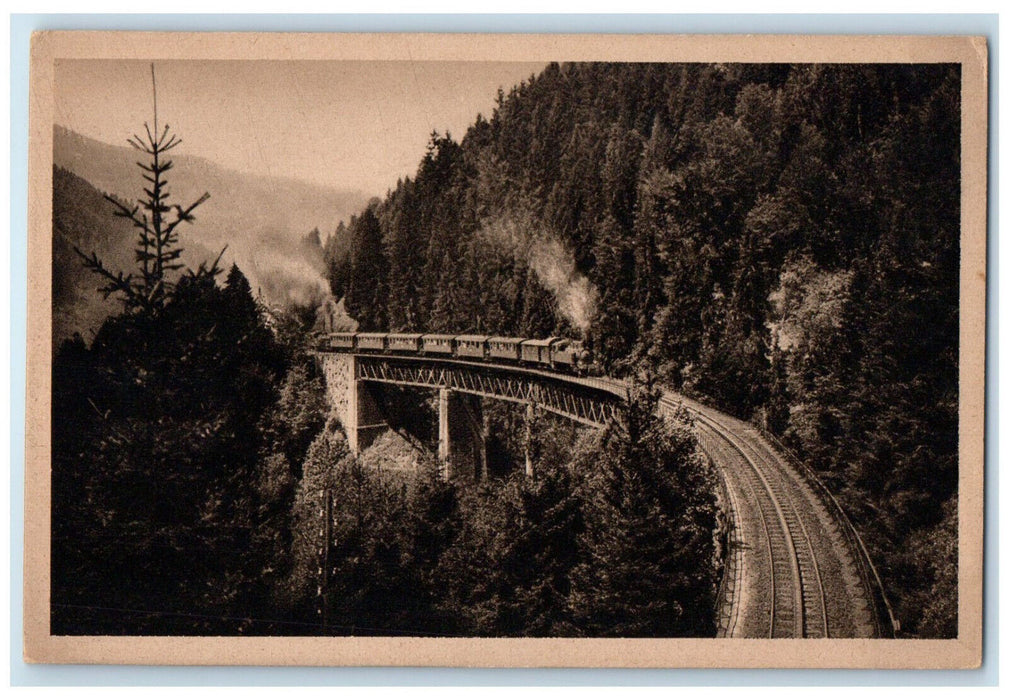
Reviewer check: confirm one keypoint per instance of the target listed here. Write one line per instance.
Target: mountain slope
(82, 218)
(262, 220)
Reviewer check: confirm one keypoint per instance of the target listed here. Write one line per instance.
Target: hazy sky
(347, 124)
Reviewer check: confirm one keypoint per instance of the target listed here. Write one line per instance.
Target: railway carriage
(342, 341)
(471, 346)
(434, 344)
(537, 352)
(404, 342)
(501, 348)
(371, 341)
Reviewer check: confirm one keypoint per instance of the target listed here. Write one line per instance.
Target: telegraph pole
(327, 542)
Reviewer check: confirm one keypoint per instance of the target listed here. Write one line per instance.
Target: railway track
(792, 573)
(795, 600)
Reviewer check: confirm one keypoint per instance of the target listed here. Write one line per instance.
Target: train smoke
(552, 262)
(285, 268)
(285, 281)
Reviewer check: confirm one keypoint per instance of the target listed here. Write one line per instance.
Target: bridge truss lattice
(574, 398)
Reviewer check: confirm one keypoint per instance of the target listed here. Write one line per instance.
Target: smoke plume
(284, 281)
(552, 262)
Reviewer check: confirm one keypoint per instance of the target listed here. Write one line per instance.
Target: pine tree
(648, 566)
(431, 526)
(163, 449)
(156, 219)
(508, 573)
(367, 584)
(367, 288)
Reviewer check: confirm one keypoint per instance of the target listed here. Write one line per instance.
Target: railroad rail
(806, 575)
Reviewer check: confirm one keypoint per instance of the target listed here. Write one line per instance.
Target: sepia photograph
(505, 351)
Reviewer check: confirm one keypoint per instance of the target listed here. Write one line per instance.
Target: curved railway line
(794, 564)
(796, 600)
(800, 576)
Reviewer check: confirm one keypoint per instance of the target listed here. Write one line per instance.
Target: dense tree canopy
(178, 437)
(155, 454)
(649, 551)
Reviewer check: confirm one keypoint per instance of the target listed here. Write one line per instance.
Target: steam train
(561, 354)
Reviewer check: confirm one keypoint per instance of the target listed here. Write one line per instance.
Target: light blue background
(21, 28)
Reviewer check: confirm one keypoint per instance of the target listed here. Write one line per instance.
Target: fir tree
(647, 550)
(156, 219)
(162, 530)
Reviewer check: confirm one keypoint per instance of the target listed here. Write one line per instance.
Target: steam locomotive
(561, 354)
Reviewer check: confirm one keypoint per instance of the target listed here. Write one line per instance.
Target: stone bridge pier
(462, 435)
(352, 400)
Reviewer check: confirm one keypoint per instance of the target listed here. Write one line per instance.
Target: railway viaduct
(794, 567)
(460, 386)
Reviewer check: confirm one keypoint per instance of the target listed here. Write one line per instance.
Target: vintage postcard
(506, 350)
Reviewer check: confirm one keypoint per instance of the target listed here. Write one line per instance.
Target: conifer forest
(778, 241)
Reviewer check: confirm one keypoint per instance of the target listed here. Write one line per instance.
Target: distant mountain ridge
(262, 220)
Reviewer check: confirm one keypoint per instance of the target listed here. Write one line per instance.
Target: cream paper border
(962, 652)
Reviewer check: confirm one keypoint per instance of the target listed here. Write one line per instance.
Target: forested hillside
(81, 218)
(781, 241)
